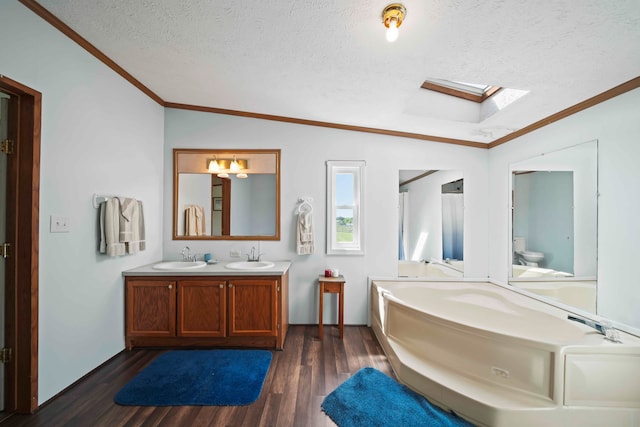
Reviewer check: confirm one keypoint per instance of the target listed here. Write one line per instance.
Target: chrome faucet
(187, 256)
(253, 257)
(604, 327)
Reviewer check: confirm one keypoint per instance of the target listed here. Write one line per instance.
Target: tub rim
(635, 332)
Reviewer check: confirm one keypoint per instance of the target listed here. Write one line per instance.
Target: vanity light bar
(225, 164)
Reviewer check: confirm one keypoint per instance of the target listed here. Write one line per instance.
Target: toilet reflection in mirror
(523, 256)
(543, 219)
(431, 223)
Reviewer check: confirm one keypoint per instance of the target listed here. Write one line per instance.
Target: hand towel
(132, 226)
(304, 233)
(110, 228)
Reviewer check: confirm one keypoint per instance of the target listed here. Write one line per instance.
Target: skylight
(469, 91)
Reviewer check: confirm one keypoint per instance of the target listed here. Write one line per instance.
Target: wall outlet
(235, 253)
(59, 224)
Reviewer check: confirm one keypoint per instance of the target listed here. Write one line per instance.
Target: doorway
(21, 149)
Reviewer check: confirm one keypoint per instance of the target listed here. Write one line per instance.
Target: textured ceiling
(328, 60)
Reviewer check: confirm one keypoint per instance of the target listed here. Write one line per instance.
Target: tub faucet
(187, 256)
(604, 327)
(253, 257)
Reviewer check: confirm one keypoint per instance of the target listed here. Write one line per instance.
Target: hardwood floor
(299, 378)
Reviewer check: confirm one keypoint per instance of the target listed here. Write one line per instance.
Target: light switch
(59, 224)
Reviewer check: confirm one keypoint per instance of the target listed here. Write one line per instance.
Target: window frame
(357, 169)
(471, 92)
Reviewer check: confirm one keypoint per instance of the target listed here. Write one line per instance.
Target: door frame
(21, 312)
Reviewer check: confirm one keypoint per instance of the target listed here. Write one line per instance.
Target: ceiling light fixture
(392, 17)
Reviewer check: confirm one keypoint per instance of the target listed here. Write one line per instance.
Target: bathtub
(499, 358)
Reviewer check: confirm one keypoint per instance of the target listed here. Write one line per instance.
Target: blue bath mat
(199, 377)
(372, 399)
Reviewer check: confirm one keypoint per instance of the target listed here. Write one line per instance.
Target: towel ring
(305, 203)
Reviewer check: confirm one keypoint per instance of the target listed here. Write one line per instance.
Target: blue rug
(199, 377)
(372, 399)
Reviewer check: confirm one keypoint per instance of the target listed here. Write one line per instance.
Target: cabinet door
(151, 308)
(252, 307)
(201, 308)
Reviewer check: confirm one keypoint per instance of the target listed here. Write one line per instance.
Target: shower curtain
(403, 225)
(452, 226)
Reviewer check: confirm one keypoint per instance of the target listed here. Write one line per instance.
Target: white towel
(304, 234)
(128, 219)
(110, 228)
(142, 234)
(132, 226)
(194, 221)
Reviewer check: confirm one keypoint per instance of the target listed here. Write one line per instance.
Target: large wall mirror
(431, 223)
(226, 194)
(554, 217)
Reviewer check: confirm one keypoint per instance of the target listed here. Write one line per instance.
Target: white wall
(615, 125)
(99, 135)
(305, 150)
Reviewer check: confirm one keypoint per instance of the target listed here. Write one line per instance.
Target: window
(345, 212)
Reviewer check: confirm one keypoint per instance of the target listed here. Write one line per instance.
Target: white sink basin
(250, 265)
(179, 265)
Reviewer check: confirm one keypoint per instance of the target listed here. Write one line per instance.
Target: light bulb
(223, 175)
(392, 30)
(235, 167)
(242, 175)
(214, 166)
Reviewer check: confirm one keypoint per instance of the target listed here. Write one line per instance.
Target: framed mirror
(431, 223)
(554, 220)
(226, 194)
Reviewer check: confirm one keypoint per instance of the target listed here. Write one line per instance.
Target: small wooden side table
(332, 285)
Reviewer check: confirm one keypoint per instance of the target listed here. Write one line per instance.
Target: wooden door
(151, 308)
(202, 308)
(21, 265)
(253, 307)
(220, 206)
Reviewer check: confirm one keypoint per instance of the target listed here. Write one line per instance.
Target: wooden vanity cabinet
(248, 311)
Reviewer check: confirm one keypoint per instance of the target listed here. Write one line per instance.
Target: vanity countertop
(219, 269)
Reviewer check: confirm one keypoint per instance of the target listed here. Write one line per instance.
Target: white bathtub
(499, 358)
